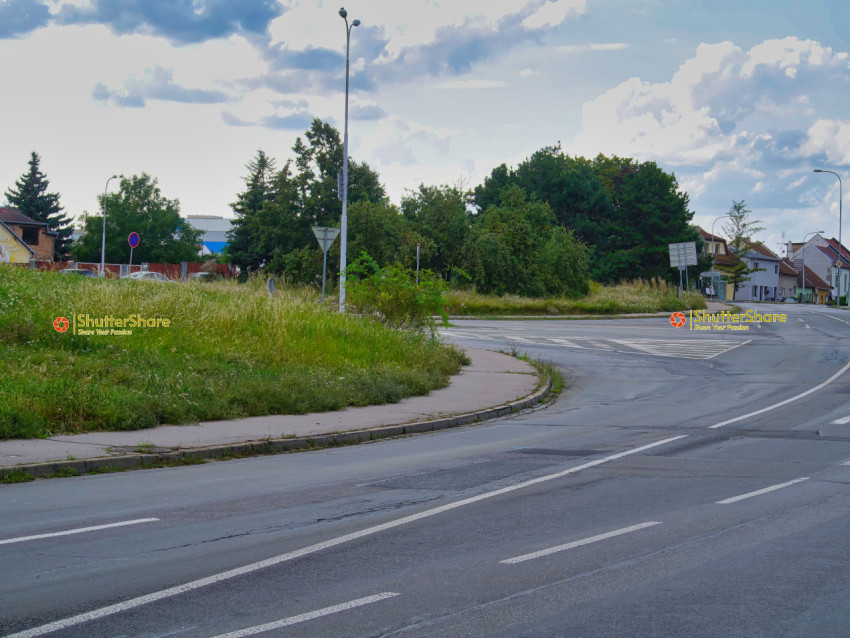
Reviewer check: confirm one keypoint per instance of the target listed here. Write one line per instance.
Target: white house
(762, 285)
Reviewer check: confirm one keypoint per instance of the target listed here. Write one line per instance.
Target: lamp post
(838, 274)
(804, 262)
(103, 239)
(344, 221)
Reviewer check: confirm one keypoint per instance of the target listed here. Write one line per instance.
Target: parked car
(148, 276)
(206, 276)
(78, 271)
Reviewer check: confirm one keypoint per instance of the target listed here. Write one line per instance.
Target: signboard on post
(133, 240)
(325, 236)
(681, 256)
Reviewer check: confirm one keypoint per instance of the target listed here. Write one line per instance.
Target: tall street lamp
(803, 256)
(344, 222)
(103, 239)
(840, 247)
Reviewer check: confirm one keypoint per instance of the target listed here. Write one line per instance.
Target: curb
(269, 446)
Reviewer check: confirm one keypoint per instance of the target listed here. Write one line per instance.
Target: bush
(393, 295)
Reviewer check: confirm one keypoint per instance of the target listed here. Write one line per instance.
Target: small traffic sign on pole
(133, 240)
(325, 236)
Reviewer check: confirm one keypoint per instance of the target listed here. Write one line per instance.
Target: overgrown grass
(625, 298)
(231, 351)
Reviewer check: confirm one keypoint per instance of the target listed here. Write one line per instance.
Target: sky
(740, 99)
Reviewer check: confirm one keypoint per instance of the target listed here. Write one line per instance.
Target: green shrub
(394, 296)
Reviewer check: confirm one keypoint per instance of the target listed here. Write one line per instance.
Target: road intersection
(618, 509)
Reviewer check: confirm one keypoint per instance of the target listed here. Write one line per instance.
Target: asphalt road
(686, 484)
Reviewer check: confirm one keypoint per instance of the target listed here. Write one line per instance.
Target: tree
(243, 247)
(438, 215)
(627, 211)
(740, 227)
(30, 196)
(318, 163)
(518, 248)
(275, 213)
(649, 213)
(139, 206)
(379, 230)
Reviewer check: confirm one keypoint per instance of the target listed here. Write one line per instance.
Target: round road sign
(133, 240)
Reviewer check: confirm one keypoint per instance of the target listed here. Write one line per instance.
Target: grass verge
(625, 298)
(229, 351)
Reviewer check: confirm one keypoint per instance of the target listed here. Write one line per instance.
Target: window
(755, 264)
(30, 235)
(755, 291)
(776, 268)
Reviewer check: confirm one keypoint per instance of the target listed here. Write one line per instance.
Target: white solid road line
(339, 540)
(311, 615)
(584, 541)
(781, 403)
(841, 421)
(836, 318)
(79, 530)
(735, 499)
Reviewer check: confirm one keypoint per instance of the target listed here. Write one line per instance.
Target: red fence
(172, 271)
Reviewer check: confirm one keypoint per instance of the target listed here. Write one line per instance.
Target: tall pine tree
(30, 196)
(244, 242)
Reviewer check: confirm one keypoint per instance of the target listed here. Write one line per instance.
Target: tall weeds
(230, 351)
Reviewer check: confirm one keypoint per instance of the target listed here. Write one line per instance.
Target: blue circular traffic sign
(133, 240)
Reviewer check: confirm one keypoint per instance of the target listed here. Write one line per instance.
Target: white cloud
(600, 46)
(830, 138)
(554, 12)
(472, 84)
(722, 102)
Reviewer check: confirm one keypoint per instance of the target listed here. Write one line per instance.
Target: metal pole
(103, 239)
(417, 264)
(838, 277)
(344, 221)
(325, 265)
(130, 269)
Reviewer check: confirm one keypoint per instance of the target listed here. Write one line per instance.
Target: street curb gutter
(74, 467)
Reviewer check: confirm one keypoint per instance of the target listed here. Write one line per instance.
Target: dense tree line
(627, 211)
(542, 228)
(545, 227)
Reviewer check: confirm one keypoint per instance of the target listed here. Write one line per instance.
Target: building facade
(23, 239)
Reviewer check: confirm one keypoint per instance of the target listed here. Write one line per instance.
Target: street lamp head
(343, 13)
(817, 170)
(356, 23)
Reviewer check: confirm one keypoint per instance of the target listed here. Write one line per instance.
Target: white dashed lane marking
(680, 348)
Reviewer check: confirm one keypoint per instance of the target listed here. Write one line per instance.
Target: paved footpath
(493, 385)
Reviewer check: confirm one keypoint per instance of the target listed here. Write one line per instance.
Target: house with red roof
(787, 280)
(813, 288)
(825, 257)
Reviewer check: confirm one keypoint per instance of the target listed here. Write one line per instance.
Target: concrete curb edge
(75, 467)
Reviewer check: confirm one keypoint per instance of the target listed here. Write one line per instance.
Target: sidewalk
(493, 385)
